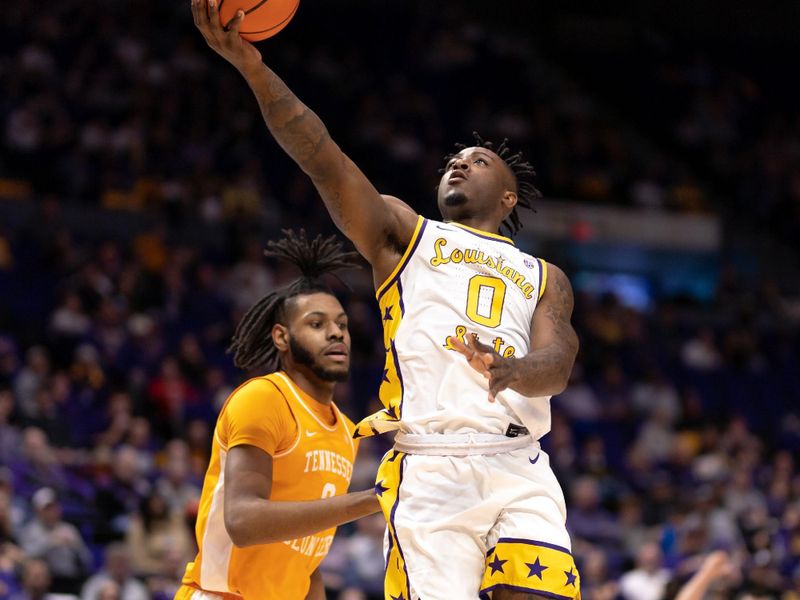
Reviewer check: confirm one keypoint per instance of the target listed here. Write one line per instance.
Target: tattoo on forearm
(304, 137)
(554, 363)
(301, 136)
(298, 130)
(559, 310)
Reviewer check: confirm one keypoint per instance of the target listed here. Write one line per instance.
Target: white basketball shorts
(470, 514)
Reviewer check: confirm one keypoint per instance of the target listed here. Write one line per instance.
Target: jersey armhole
(542, 278)
(412, 245)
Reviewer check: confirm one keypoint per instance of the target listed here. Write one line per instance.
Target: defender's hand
(498, 370)
(225, 41)
(717, 564)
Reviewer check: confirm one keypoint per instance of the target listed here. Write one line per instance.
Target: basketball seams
(257, 6)
(277, 25)
(265, 16)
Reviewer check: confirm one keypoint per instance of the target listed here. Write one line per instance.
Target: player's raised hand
(225, 41)
(718, 564)
(498, 370)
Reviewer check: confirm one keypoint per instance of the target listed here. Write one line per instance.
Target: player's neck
(486, 224)
(319, 390)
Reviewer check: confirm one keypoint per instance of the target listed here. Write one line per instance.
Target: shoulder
(555, 280)
(398, 207)
(256, 390)
(406, 220)
(256, 400)
(257, 413)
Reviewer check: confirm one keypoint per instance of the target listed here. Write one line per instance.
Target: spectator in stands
(119, 495)
(37, 465)
(69, 320)
(109, 590)
(649, 579)
(157, 536)
(587, 519)
(116, 570)
(56, 542)
(175, 484)
(172, 397)
(36, 582)
(700, 352)
(364, 550)
(30, 379)
(10, 435)
(595, 580)
(10, 554)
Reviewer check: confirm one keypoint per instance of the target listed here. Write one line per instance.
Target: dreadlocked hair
(523, 171)
(252, 344)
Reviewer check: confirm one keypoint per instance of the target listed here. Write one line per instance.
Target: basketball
(263, 18)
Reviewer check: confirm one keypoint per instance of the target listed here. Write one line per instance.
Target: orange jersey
(311, 460)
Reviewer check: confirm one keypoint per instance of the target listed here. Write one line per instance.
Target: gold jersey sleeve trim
(412, 244)
(543, 283)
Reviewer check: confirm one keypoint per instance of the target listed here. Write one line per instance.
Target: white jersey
(451, 282)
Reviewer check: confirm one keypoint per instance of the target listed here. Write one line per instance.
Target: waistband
(189, 590)
(460, 444)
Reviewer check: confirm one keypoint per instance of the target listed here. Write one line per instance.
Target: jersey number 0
(485, 298)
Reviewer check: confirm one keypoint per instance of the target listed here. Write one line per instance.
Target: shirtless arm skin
(317, 589)
(252, 518)
(379, 228)
(545, 370)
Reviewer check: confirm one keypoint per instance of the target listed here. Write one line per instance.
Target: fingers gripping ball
(262, 18)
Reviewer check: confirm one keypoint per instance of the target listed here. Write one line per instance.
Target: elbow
(237, 527)
(559, 386)
(244, 531)
(562, 381)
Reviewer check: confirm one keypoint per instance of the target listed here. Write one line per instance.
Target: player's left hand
(226, 40)
(498, 370)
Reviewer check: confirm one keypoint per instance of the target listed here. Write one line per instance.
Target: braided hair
(524, 176)
(252, 345)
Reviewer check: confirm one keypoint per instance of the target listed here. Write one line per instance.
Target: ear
(509, 200)
(280, 337)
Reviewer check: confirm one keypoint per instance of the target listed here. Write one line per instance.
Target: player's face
(476, 182)
(318, 336)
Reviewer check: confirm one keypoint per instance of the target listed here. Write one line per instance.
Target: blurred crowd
(735, 122)
(131, 116)
(678, 436)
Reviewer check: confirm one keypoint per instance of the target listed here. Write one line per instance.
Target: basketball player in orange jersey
(281, 445)
(477, 337)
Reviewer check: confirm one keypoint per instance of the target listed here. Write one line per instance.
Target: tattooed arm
(545, 370)
(375, 224)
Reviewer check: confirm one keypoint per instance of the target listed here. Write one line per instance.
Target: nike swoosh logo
(311, 433)
(533, 460)
(443, 228)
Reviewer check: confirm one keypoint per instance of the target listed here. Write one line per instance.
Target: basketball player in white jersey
(477, 337)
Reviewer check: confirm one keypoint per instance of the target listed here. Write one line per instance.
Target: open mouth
(456, 176)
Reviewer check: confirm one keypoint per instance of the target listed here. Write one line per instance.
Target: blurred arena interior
(138, 186)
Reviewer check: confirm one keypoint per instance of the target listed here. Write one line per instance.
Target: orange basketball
(262, 18)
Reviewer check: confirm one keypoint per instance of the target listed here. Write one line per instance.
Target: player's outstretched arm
(375, 226)
(252, 518)
(545, 370)
(715, 566)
